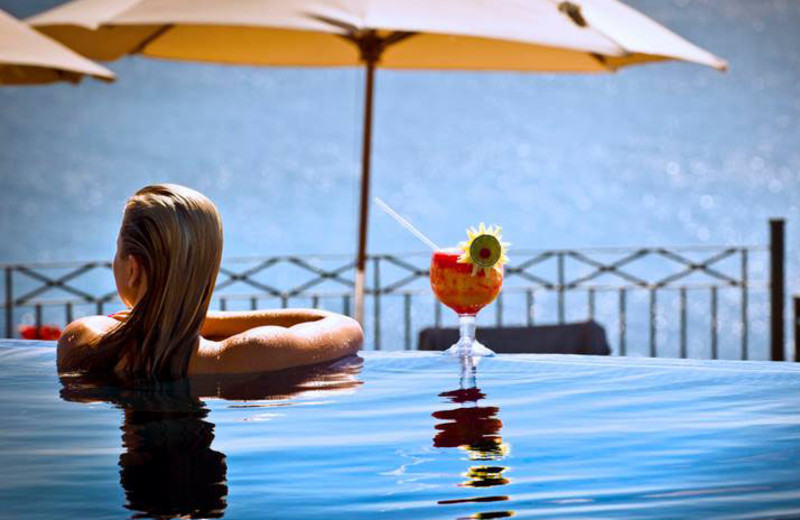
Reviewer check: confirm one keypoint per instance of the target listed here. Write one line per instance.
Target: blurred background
(653, 155)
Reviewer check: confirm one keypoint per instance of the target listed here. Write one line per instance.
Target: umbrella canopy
(511, 35)
(27, 57)
(533, 35)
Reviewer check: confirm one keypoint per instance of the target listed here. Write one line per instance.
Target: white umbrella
(28, 57)
(518, 35)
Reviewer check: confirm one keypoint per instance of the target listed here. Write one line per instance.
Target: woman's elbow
(333, 337)
(353, 335)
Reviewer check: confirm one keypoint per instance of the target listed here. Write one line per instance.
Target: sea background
(651, 156)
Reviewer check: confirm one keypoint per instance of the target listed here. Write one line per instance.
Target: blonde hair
(176, 234)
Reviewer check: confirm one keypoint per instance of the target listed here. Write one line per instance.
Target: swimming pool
(400, 436)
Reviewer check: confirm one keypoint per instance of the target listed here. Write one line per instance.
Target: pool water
(405, 436)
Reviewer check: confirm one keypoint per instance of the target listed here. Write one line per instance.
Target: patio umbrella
(27, 57)
(509, 35)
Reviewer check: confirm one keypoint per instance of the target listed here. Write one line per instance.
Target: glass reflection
(476, 430)
(168, 468)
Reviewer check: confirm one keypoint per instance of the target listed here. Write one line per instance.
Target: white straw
(406, 224)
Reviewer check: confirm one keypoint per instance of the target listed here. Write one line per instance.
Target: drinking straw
(406, 224)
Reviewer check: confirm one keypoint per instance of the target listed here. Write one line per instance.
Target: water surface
(654, 155)
(402, 436)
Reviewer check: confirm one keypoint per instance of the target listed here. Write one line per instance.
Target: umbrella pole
(366, 154)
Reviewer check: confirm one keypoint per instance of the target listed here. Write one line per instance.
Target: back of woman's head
(175, 234)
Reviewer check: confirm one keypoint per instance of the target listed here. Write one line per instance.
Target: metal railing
(614, 284)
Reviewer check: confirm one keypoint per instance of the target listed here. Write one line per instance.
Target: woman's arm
(274, 347)
(224, 324)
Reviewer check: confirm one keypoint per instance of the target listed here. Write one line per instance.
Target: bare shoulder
(269, 348)
(83, 332)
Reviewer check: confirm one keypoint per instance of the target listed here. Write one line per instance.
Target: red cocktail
(467, 279)
(455, 286)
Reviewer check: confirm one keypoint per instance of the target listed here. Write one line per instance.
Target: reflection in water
(168, 468)
(475, 429)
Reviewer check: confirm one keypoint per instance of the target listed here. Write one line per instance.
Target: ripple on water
(403, 437)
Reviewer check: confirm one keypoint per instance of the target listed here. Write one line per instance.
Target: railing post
(745, 328)
(623, 321)
(777, 283)
(38, 314)
(9, 303)
(653, 322)
(376, 308)
(797, 328)
(714, 324)
(684, 345)
(407, 320)
(529, 302)
(561, 281)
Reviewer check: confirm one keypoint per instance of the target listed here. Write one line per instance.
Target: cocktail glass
(466, 290)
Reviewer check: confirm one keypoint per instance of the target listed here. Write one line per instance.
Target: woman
(168, 254)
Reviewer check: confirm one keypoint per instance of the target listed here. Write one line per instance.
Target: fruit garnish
(484, 249)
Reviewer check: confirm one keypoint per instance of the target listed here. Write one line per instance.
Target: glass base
(474, 349)
(467, 345)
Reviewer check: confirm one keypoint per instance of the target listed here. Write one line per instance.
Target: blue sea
(654, 155)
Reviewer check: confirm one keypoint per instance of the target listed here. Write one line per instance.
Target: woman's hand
(121, 316)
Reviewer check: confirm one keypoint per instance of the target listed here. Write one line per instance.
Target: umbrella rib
(354, 34)
(397, 37)
(602, 61)
(350, 28)
(371, 46)
(62, 76)
(147, 41)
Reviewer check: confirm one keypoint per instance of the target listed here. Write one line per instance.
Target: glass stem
(466, 329)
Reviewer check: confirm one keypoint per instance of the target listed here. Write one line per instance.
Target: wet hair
(176, 234)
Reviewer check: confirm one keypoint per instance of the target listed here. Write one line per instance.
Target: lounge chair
(586, 337)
